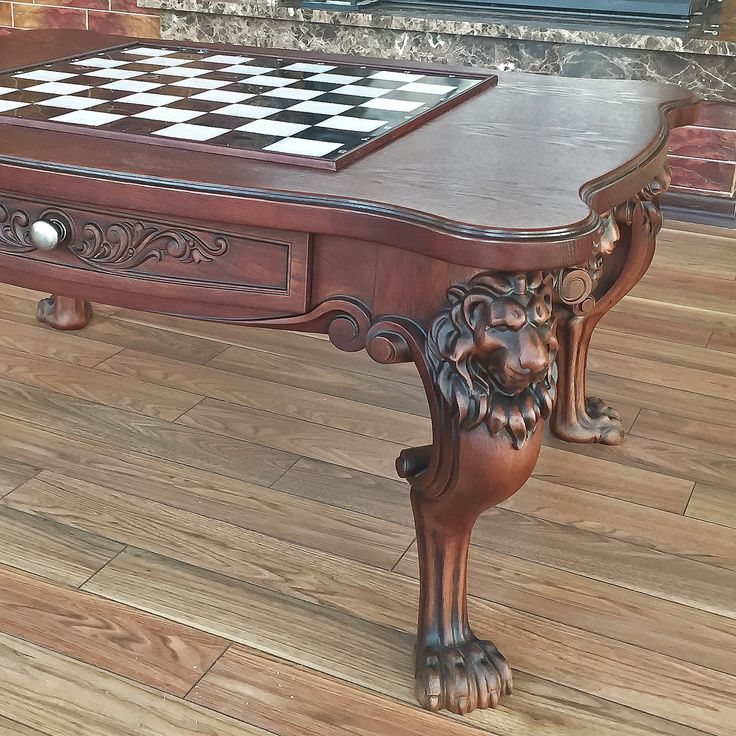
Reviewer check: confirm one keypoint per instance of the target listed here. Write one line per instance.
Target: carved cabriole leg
(64, 312)
(631, 228)
(487, 364)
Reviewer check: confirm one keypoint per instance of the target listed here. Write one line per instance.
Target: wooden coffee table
(477, 226)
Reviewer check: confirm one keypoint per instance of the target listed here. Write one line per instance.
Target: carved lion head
(494, 351)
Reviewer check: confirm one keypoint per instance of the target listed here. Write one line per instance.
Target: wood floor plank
(46, 548)
(129, 394)
(405, 397)
(124, 334)
(714, 255)
(680, 403)
(563, 464)
(350, 489)
(367, 654)
(651, 623)
(658, 328)
(85, 420)
(710, 503)
(664, 351)
(704, 318)
(723, 340)
(675, 286)
(13, 474)
(283, 343)
(692, 433)
(628, 522)
(13, 728)
(114, 637)
(52, 692)
(254, 393)
(664, 374)
(151, 524)
(305, 438)
(690, 583)
(664, 458)
(272, 693)
(43, 342)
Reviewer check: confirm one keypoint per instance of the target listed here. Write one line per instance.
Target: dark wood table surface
(484, 246)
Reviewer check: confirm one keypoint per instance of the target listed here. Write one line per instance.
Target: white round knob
(47, 234)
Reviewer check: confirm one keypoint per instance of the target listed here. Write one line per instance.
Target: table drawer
(233, 267)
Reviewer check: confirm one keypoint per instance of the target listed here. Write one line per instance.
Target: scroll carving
(15, 229)
(129, 244)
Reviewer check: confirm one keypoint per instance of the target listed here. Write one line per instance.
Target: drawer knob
(47, 234)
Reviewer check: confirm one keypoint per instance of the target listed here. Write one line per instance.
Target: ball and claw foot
(462, 678)
(598, 423)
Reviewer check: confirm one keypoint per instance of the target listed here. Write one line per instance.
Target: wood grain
(114, 637)
(714, 504)
(59, 553)
(52, 692)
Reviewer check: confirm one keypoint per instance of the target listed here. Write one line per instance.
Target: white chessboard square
(303, 147)
(130, 85)
(320, 108)
(248, 111)
(187, 132)
(358, 90)
(59, 88)
(72, 103)
(397, 76)
(382, 103)
(100, 62)
(345, 122)
(427, 89)
(273, 127)
(183, 71)
(246, 70)
(149, 98)
(334, 78)
(226, 59)
(149, 51)
(163, 61)
(169, 114)
(7, 90)
(115, 74)
(306, 67)
(87, 117)
(44, 75)
(216, 95)
(7, 105)
(292, 93)
(200, 83)
(265, 81)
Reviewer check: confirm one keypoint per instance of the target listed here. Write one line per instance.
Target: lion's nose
(533, 354)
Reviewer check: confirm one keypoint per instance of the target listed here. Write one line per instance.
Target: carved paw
(598, 423)
(463, 678)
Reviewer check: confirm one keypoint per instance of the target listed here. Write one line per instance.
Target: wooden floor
(201, 531)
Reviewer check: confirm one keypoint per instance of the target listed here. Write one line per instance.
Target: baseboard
(700, 209)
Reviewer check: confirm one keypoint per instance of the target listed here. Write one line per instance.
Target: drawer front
(188, 262)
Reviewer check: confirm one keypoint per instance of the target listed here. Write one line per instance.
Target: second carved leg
(578, 417)
(64, 312)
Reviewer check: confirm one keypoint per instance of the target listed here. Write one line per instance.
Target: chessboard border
(485, 81)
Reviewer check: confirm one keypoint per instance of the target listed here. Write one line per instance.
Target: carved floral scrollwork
(129, 244)
(15, 229)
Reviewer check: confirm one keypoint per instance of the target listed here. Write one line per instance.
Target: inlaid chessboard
(309, 112)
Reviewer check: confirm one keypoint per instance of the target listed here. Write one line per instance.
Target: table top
(525, 164)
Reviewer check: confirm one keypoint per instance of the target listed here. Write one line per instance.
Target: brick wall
(105, 16)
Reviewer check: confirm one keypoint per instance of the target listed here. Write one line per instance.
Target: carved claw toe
(64, 313)
(462, 678)
(597, 423)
